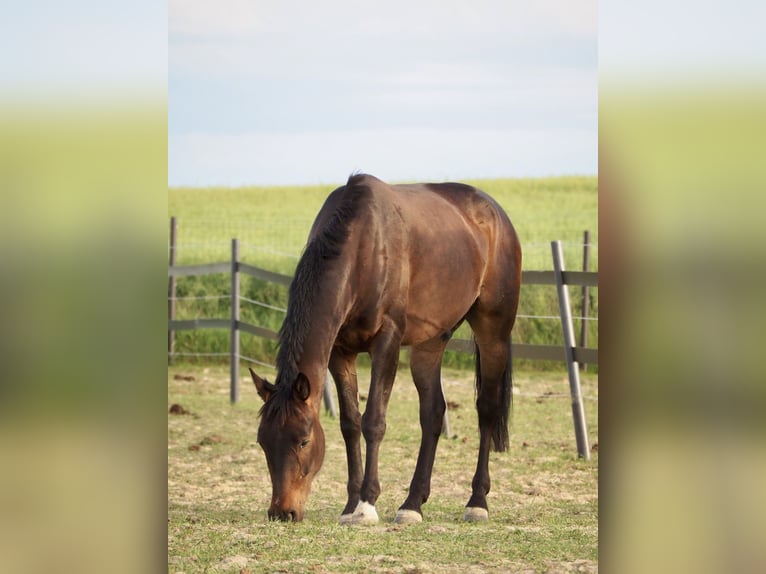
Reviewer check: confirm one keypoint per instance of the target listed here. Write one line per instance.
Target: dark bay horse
(386, 266)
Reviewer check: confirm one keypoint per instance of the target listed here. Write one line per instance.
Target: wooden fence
(570, 352)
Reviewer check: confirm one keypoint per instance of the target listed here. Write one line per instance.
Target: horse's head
(293, 440)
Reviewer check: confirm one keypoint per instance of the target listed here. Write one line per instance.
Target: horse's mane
(325, 244)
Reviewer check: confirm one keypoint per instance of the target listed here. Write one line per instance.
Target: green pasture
(272, 224)
(543, 502)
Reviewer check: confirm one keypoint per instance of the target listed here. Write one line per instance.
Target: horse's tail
(500, 438)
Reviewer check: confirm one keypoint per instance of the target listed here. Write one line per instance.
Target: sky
(83, 50)
(280, 93)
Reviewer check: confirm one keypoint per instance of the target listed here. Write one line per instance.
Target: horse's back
(421, 205)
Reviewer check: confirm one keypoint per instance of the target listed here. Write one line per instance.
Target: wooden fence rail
(570, 353)
(519, 350)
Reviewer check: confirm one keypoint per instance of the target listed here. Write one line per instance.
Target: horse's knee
(373, 427)
(350, 425)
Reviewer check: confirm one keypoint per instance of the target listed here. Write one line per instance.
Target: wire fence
(277, 246)
(280, 241)
(536, 306)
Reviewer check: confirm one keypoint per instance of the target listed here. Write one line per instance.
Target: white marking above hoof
(365, 513)
(405, 516)
(475, 514)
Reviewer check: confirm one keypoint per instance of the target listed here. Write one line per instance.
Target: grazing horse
(386, 266)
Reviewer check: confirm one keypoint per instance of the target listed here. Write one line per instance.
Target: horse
(387, 266)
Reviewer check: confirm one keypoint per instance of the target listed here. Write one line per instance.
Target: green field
(272, 224)
(543, 503)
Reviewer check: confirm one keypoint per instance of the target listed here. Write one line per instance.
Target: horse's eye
(304, 442)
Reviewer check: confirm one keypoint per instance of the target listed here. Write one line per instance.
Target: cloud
(83, 49)
(223, 18)
(687, 39)
(454, 86)
(407, 41)
(297, 92)
(455, 20)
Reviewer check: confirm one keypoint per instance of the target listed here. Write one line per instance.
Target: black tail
(500, 438)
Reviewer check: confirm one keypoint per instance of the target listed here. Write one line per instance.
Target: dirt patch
(176, 409)
(233, 563)
(211, 439)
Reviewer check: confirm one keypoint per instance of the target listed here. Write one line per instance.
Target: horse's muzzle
(285, 515)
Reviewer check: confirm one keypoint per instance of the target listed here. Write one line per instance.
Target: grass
(272, 224)
(543, 503)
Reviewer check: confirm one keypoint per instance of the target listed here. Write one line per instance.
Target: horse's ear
(265, 388)
(302, 387)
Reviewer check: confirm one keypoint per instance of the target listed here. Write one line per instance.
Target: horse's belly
(437, 316)
(444, 283)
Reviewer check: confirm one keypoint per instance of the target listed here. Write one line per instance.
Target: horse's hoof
(475, 514)
(345, 519)
(365, 513)
(404, 516)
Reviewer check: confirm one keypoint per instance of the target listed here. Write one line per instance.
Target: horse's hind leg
(492, 403)
(425, 365)
(343, 370)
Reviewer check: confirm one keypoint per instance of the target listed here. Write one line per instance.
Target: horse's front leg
(425, 364)
(385, 359)
(343, 371)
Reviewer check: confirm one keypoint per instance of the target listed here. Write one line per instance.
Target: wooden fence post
(446, 430)
(172, 291)
(329, 401)
(234, 391)
(578, 411)
(585, 296)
